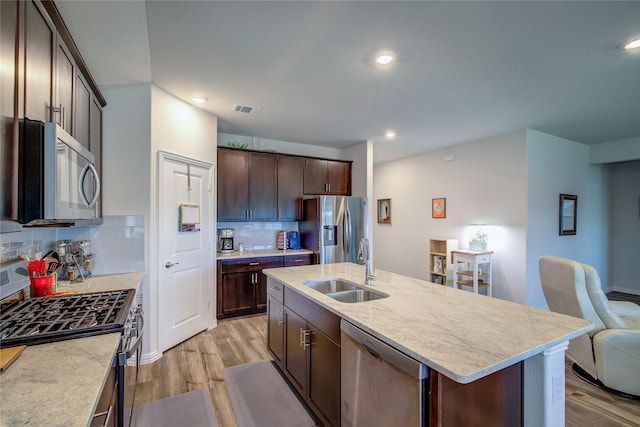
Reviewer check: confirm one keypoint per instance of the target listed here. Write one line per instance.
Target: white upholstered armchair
(610, 352)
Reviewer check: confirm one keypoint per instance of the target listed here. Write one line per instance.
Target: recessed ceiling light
(390, 134)
(199, 99)
(385, 58)
(632, 44)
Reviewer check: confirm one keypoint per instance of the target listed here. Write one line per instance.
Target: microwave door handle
(88, 167)
(96, 193)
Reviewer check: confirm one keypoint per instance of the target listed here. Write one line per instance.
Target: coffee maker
(225, 240)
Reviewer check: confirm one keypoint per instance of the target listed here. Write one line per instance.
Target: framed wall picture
(384, 211)
(568, 214)
(439, 208)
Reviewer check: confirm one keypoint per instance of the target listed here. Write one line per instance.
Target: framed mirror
(568, 214)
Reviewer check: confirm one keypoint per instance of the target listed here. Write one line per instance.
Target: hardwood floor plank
(198, 363)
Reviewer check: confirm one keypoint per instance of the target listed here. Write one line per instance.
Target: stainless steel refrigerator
(332, 227)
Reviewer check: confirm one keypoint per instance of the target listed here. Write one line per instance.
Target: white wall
(486, 183)
(616, 151)
(126, 151)
(139, 121)
(362, 179)
(556, 165)
(624, 226)
(295, 148)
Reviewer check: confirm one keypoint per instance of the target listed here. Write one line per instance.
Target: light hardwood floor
(198, 363)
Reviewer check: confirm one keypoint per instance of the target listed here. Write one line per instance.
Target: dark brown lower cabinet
(275, 329)
(310, 353)
(242, 287)
(105, 412)
(494, 400)
(324, 375)
(295, 355)
(238, 294)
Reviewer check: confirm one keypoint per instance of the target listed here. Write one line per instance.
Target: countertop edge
(262, 254)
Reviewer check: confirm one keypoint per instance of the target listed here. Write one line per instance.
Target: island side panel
(494, 400)
(544, 392)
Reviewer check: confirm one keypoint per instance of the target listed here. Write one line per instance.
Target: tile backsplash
(118, 244)
(258, 235)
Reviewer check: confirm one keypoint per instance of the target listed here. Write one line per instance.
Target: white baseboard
(150, 357)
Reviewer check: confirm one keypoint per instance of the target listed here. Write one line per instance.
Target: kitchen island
(58, 383)
(460, 335)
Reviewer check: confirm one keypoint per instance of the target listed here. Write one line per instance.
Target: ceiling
(464, 71)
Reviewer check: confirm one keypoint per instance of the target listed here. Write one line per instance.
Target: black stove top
(56, 318)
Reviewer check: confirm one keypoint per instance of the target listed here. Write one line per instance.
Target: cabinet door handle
(274, 288)
(306, 343)
(254, 263)
(302, 338)
(298, 260)
(281, 318)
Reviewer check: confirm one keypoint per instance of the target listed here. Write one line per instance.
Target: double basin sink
(344, 291)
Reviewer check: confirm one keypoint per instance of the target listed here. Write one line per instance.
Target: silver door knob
(170, 264)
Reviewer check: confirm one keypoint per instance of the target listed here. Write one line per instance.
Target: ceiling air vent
(245, 109)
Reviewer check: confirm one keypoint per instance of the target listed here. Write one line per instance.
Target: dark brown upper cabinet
(290, 188)
(327, 177)
(246, 186)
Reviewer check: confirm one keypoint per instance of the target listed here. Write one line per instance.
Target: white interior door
(186, 261)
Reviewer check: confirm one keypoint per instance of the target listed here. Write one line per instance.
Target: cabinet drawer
(483, 258)
(302, 259)
(250, 264)
(275, 289)
(322, 319)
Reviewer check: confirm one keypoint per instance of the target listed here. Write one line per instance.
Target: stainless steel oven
(127, 362)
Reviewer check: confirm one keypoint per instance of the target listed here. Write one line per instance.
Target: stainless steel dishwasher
(380, 386)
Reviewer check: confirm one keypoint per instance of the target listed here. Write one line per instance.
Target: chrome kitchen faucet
(365, 255)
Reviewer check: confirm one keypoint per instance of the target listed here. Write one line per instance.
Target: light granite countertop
(57, 384)
(462, 335)
(262, 253)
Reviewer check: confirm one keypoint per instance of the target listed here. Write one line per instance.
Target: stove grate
(47, 319)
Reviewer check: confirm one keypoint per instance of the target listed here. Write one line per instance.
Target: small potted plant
(479, 241)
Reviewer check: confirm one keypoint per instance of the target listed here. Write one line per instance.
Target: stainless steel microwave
(58, 182)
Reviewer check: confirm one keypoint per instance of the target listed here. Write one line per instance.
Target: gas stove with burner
(62, 317)
(48, 319)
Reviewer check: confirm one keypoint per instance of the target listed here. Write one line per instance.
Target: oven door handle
(140, 330)
(130, 349)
